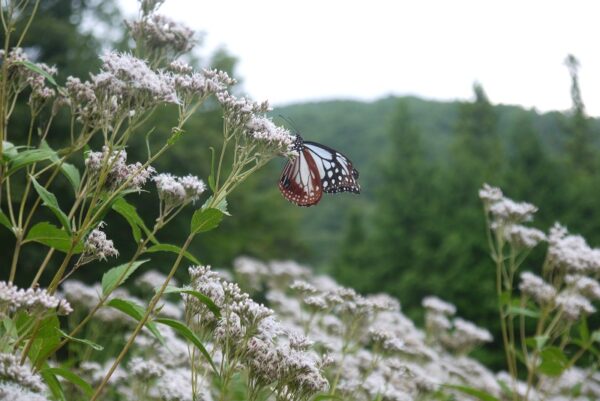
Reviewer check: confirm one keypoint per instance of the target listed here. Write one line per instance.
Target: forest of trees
(417, 228)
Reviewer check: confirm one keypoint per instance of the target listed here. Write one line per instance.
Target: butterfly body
(315, 170)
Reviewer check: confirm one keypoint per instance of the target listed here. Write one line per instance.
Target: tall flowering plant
(543, 314)
(110, 107)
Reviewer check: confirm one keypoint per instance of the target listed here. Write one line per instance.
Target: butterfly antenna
(290, 122)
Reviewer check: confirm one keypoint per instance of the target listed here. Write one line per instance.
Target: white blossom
(36, 300)
(98, 246)
(523, 237)
(537, 288)
(574, 305)
(586, 286)
(11, 370)
(435, 304)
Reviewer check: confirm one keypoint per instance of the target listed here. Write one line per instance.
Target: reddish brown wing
(300, 182)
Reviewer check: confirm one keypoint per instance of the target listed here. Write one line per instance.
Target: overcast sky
(294, 51)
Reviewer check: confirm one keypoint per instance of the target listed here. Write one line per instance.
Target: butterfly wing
(335, 170)
(300, 182)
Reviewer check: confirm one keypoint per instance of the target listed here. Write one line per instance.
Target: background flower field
(129, 165)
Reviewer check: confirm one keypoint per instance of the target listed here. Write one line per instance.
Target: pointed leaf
(51, 202)
(53, 384)
(136, 223)
(188, 334)
(517, 310)
(35, 68)
(554, 361)
(205, 220)
(27, 157)
(136, 312)
(5, 221)
(172, 249)
(73, 378)
(117, 275)
(198, 295)
(83, 341)
(52, 236)
(69, 170)
(72, 174)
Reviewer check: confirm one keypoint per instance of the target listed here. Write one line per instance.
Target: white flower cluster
(247, 333)
(524, 237)
(506, 216)
(118, 171)
(145, 370)
(176, 191)
(14, 299)
(246, 118)
(536, 288)
(457, 335)
(296, 355)
(573, 305)
(584, 285)
(15, 392)
(98, 246)
(189, 84)
(490, 195)
(12, 371)
(263, 130)
(22, 76)
(435, 305)
(160, 33)
(131, 79)
(571, 252)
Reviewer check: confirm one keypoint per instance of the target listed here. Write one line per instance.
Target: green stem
(142, 321)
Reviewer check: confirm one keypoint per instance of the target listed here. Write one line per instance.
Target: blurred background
(428, 99)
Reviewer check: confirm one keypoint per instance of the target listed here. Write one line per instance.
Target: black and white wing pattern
(300, 183)
(336, 170)
(315, 170)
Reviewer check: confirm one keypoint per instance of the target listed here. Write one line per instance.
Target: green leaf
(554, 361)
(72, 174)
(51, 202)
(89, 343)
(46, 339)
(479, 394)
(136, 223)
(28, 157)
(72, 377)
(537, 342)
(517, 310)
(69, 170)
(188, 334)
(205, 220)
(137, 312)
(53, 384)
(9, 151)
(198, 295)
(52, 236)
(172, 249)
(222, 205)
(5, 221)
(35, 68)
(117, 275)
(584, 331)
(595, 336)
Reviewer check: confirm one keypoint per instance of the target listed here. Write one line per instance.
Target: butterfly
(315, 170)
